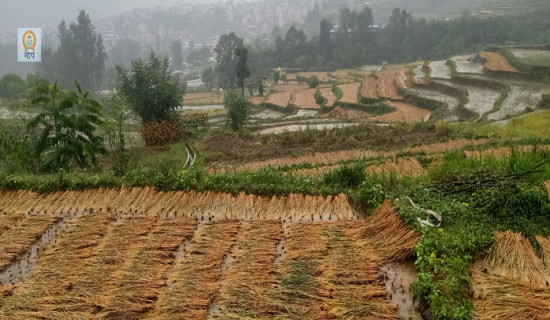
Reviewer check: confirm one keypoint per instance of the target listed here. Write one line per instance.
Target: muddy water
(398, 280)
(18, 271)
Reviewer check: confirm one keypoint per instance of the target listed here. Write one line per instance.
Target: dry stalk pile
(401, 167)
(502, 152)
(204, 206)
(512, 281)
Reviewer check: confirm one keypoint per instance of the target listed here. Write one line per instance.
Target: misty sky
(17, 13)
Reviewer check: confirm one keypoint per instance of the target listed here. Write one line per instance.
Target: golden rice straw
(142, 279)
(385, 231)
(57, 267)
(547, 186)
(9, 221)
(352, 270)
(513, 257)
(194, 282)
(18, 239)
(98, 277)
(249, 277)
(401, 167)
(544, 253)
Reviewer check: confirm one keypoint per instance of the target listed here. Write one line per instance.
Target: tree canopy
(151, 89)
(227, 60)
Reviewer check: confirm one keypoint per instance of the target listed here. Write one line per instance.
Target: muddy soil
(398, 280)
(299, 127)
(440, 70)
(463, 66)
(481, 100)
(519, 100)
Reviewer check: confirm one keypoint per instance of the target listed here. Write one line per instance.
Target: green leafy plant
(67, 128)
(237, 109)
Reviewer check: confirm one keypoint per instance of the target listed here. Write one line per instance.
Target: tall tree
(325, 43)
(177, 54)
(242, 66)
(227, 60)
(81, 55)
(151, 89)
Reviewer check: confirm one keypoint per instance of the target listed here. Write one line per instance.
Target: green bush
(237, 109)
(12, 86)
(313, 82)
(346, 176)
(370, 194)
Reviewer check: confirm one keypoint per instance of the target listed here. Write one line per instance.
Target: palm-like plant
(67, 127)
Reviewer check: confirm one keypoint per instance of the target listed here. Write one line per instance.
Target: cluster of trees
(80, 56)
(355, 40)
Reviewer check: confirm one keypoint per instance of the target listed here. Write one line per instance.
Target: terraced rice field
(533, 56)
(519, 99)
(511, 282)
(463, 66)
(112, 262)
(480, 100)
(387, 81)
(419, 75)
(350, 91)
(256, 100)
(281, 99)
(497, 62)
(440, 70)
(328, 158)
(452, 101)
(405, 113)
(305, 99)
(370, 88)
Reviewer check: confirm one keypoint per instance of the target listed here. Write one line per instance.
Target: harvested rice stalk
(194, 282)
(513, 257)
(251, 273)
(19, 238)
(385, 231)
(143, 278)
(98, 277)
(298, 294)
(9, 221)
(501, 298)
(547, 186)
(58, 267)
(544, 244)
(401, 167)
(352, 269)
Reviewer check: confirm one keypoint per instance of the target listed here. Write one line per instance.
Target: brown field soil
(305, 99)
(511, 282)
(198, 95)
(128, 265)
(327, 94)
(497, 62)
(256, 100)
(370, 88)
(401, 167)
(405, 113)
(350, 91)
(281, 99)
(290, 87)
(386, 87)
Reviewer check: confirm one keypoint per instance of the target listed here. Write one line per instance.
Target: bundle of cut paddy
(401, 167)
(384, 229)
(513, 257)
(544, 244)
(547, 185)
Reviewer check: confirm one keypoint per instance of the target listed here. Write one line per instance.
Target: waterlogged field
(143, 254)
